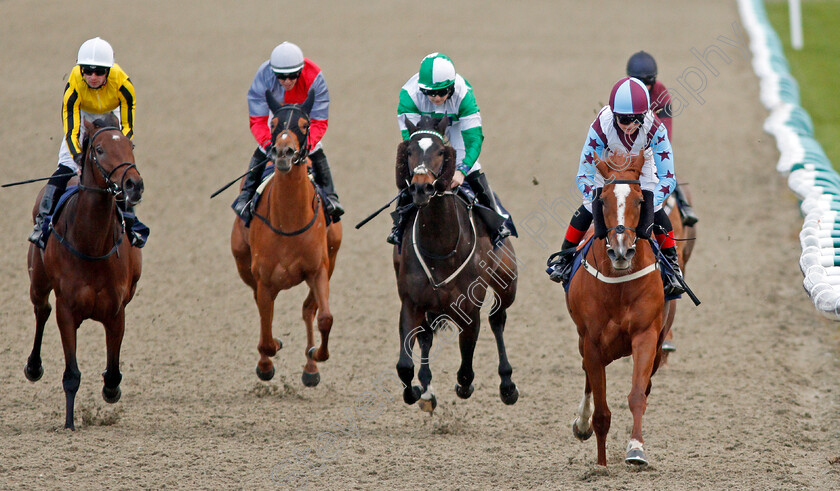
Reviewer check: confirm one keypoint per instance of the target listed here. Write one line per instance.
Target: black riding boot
(242, 204)
(478, 183)
(672, 286)
(395, 237)
(133, 232)
(52, 192)
(323, 178)
(689, 218)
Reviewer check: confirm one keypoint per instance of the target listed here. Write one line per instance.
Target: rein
(316, 206)
(419, 254)
(110, 188)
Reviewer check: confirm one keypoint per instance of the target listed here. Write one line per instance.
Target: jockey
(290, 77)
(642, 66)
(438, 91)
(96, 86)
(626, 126)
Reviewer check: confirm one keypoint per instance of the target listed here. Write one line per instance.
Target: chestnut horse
(89, 263)
(445, 267)
(617, 305)
(685, 245)
(288, 241)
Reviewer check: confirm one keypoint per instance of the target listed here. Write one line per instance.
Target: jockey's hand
(457, 179)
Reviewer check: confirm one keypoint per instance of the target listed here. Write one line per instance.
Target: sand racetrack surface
(749, 400)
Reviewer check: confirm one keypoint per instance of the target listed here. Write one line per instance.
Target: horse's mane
(447, 170)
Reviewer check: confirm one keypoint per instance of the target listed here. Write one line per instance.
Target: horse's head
(289, 132)
(424, 163)
(620, 204)
(109, 160)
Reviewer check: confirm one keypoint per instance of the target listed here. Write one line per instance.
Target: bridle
(111, 187)
(286, 125)
(421, 169)
(620, 229)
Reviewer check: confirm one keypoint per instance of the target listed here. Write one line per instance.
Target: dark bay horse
(617, 304)
(89, 263)
(685, 245)
(288, 241)
(445, 267)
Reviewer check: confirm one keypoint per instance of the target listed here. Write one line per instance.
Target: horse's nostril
(611, 253)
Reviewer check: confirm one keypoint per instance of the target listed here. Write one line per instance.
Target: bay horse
(685, 236)
(445, 267)
(288, 241)
(89, 263)
(617, 305)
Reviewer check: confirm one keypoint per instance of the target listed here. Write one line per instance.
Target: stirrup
(333, 207)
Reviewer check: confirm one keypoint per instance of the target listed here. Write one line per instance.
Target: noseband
(111, 187)
(286, 124)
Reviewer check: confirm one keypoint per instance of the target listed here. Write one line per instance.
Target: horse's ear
(402, 164)
(272, 102)
(440, 127)
(273, 125)
(602, 166)
(410, 126)
(90, 128)
(447, 170)
(309, 102)
(638, 162)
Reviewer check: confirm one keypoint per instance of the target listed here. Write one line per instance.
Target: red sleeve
(259, 128)
(317, 128)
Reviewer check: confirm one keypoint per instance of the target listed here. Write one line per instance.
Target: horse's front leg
(310, 376)
(319, 286)
(596, 377)
(507, 389)
(114, 330)
(428, 401)
(466, 342)
(267, 346)
(582, 425)
(39, 294)
(67, 326)
(644, 358)
(411, 321)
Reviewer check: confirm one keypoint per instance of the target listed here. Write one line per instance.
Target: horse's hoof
(581, 436)
(265, 375)
(464, 393)
(111, 395)
(410, 395)
(509, 395)
(33, 375)
(636, 456)
(310, 379)
(668, 347)
(428, 405)
(310, 353)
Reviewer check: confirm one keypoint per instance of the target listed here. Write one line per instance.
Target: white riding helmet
(286, 58)
(96, 52)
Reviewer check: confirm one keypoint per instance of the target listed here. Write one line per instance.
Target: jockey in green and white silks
(464, 130)
(438, 91)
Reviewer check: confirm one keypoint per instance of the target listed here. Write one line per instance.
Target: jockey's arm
(585, 179)
(128, 103)
(72, 116)
(663, 158)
